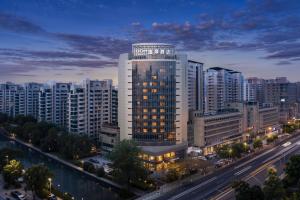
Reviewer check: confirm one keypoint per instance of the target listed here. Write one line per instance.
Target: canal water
(66, 179)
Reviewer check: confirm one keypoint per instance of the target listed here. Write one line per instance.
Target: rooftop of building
(221, 68)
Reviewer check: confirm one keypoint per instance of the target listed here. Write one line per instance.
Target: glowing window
(162, 103)
(145, 117)
(154, 130)
(145, 130)
(162, 110)
(162, 117)
(145, 97)
(162, 130)
(154, 90)
(145, 123)
(154, 83)
(154, 123)
(162, 97)
(154, 77)
(162, 123)
(145, 110)
(154, 117)
(145, 90)
(145, 83)
(154, 110)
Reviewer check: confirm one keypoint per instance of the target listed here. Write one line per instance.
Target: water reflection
(67, 179)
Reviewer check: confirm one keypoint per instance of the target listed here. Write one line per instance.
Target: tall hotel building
(153, 103)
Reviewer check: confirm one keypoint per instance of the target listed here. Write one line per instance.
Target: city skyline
(73, 40)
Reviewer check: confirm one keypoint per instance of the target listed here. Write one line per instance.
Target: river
(66, 179)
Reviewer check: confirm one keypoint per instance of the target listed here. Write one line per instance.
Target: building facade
(152, 96)
(222, 86)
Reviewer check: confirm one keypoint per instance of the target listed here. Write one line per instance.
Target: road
(252, 169)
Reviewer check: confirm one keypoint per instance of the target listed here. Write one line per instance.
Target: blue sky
(69, 40)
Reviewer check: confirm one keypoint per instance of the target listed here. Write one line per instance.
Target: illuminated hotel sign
(141, 50)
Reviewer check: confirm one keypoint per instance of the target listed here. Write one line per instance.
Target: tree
(126, 164)
(224, 151)
(257, 144)
(89, 167)
(172, 175)
(50, 143)
(7, 154)
(273, 187)
(36, 179)
(292, 170)
(12, 171)
(100, 172)
(243, 191)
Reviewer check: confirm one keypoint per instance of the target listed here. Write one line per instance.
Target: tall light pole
(50, 182)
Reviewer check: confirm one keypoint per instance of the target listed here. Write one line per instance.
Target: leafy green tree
(12, 171)
(100, 172)
(273, 187)
(224, 151)
(292, 170)
(172, 175)
(243, 191)
(238, 149)
(257, 144)
(37, 180)
(89, 167)
(126, 164)
(7, 154)
(50, 142)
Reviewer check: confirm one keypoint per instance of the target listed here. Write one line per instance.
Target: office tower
(152, 98)
(32, 99)
(282, 93)
(195, 86)
(53, 103)
(89, 107)
(254, 90)
(222, 86)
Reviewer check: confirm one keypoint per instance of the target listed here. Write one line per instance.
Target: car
(93, 160)
(52, 197)
(18, 195)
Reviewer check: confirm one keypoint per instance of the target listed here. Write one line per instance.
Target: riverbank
(102, 181)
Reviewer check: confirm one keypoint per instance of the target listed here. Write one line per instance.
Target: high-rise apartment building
(89, 107)
(152, 99)
(32, 99)
(254, 90)
(53, 103)
(222, 86)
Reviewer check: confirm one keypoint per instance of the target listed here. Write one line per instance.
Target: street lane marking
(192, 189)
(242, 171)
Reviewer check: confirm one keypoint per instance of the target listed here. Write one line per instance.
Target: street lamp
(50, 180)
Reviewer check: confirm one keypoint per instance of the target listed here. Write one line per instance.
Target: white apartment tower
(89, 107)
(222, 86)
(53, 103)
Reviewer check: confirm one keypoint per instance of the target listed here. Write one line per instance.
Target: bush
(100, 172)
(89, 167)
(257, 143)
(172, 175)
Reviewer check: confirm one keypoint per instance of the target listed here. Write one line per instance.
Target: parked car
(52, 197)
(94, 160)
(18, 195)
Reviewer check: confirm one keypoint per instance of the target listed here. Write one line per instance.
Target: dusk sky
(69, 40)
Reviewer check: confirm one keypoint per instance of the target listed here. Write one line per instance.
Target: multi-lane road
(217, 185)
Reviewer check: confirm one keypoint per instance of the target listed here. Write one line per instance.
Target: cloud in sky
(270, 27)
